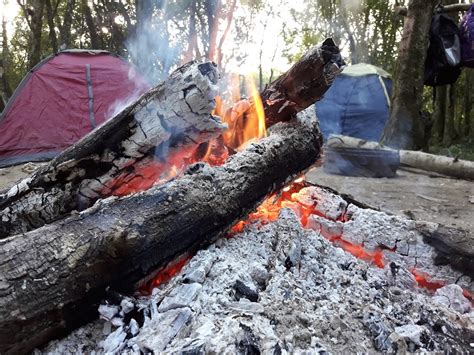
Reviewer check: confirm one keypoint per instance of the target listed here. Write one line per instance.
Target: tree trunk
(449, 135)
(52, 278)
(441, 92)
(404, 128)
(95, 42)
(36, 23)
(468, 122)
(3, 96)
(213, 10)
(144, 10)
(52, 32)
(5, 90)
(65, 31)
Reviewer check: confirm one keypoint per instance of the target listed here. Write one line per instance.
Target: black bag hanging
(442, 66)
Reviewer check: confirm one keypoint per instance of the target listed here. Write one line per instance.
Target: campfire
(187, 222)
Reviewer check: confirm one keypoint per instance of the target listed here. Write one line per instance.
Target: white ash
(452, 296)
(328, 204)
(398, 238)
(330, 301)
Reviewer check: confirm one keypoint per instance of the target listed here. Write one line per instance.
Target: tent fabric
(356, 106)
(362, 69)
(61, 100)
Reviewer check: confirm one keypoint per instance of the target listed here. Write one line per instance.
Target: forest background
(260, 37)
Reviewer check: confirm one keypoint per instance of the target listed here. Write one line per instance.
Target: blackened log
(52, 278)
(175, 114)
(303, 84)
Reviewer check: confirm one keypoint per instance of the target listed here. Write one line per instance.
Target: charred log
(52, 278)
(303, 84)
(175, 113)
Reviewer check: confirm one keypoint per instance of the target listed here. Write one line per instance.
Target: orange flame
(246, 119)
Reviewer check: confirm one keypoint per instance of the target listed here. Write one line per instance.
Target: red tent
(61, 100)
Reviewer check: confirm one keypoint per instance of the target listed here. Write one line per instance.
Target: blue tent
(357, 104)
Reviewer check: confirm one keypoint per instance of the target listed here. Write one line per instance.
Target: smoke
(352, 5)
(154, 47)
(153, 52)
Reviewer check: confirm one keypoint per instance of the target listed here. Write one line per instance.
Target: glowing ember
(270, 209)
(149, 172)
(165, 274)
(425, 281)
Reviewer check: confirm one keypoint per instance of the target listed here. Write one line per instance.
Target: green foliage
(463, 150)
(367, 31)
(180, 30)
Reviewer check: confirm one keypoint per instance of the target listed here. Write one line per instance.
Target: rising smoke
(152, 48)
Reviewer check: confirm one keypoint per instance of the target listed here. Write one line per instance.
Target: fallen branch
(462, 169)
(403, 11)
(176, 112)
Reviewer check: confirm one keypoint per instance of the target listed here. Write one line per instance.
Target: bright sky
(9, 11)
(273, 43)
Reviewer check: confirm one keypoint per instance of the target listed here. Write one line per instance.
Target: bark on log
(458, 168)
(51, 278)
(177, 112)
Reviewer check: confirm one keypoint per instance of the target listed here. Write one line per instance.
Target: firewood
(176, 112)
(175, 115)
(52, 278)
(458, 168)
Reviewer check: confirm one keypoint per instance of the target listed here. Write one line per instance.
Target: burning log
(52, 278)
(174, 116)
(169, 121)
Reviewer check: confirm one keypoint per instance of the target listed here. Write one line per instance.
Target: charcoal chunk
(243, 291)
(248, 345)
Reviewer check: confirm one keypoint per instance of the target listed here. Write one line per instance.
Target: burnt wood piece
(52, 278)
(454, 246)
(175, 113)
(303, 84)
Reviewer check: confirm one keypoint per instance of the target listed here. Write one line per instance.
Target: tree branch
(402, 11)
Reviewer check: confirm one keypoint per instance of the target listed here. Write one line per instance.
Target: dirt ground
(416, 195)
